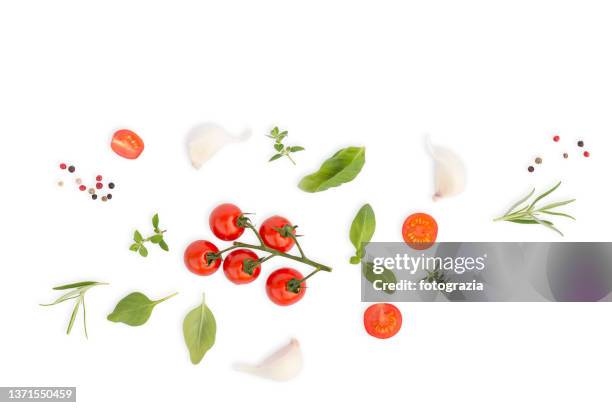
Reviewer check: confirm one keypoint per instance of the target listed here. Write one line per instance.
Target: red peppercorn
(556, 138)
(99, 185)
(586, 154)
(82, 187)
(63, 166)
(98, 178)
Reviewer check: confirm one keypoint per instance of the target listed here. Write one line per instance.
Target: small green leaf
(341, 168)
(143, 251)
(199, 331)
(278, 146)
(387, 276)
(137, 236)
(294, 149)
(362, 229)
(275, 157)
(155, 221)
(74, 314)
(134, 309)
(134, 247)
(156, 239)
(163, 245)
(274, 131)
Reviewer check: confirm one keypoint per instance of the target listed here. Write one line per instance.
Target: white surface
(494, 82)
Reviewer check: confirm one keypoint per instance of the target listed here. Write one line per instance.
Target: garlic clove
(283, 365)
(205, 140)
(449, 171)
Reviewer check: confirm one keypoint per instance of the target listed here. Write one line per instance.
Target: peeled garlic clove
(207, 139)
(284, 365)
(449, 172)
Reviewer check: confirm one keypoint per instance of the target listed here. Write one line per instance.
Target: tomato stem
(263, 247)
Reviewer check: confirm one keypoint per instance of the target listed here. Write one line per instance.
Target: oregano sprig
(280, 147)
(157, 238)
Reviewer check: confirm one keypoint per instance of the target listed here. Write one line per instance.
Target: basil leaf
(362, 230)
(199, 330)
(341, 168)
(387, 276)
(134, 309)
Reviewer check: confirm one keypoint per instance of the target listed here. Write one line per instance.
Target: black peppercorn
(530, 169)
(111, 185)
(565, 155)
(71, 169)
(109, 196)
(580, 143)
(94, 196)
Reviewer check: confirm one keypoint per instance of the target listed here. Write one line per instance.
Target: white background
(492, 80)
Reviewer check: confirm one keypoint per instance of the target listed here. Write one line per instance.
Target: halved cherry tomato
(223, 222)
(420, 231)
(195, 258)
(127, 144)
(382, 320)
(279, 285)
(234, 266)
(272, 237)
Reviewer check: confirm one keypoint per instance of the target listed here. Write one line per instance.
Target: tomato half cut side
(382, 320)
(127, 144)
(420, 231)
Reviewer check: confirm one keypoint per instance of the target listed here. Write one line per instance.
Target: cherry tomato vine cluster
(276, 237)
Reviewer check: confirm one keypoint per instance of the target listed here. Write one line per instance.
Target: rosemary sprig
(529, 214)
(78, 292)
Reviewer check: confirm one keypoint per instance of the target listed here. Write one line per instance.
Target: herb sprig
(78, 292)
(157, 238)
(281, 149)
(529, 214)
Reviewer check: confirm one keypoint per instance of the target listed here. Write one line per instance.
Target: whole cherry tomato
(127, 144)
(223, 222)
(382, 320)
(272, 237)
(195, 258)
(280, 284)
(235, 266)
(420, 231)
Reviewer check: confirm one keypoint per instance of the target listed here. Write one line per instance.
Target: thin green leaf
(528, 221)
(143, 251)
(283, 134)
(558, 214)
(541, 196)
(294, 149)
(76, 285)
(138, 236)
(155, 221)
(547, 224)
(555, 205)
(521, 201)
(275, 157)
(73, 316)
(84, 318)
(67, 296)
